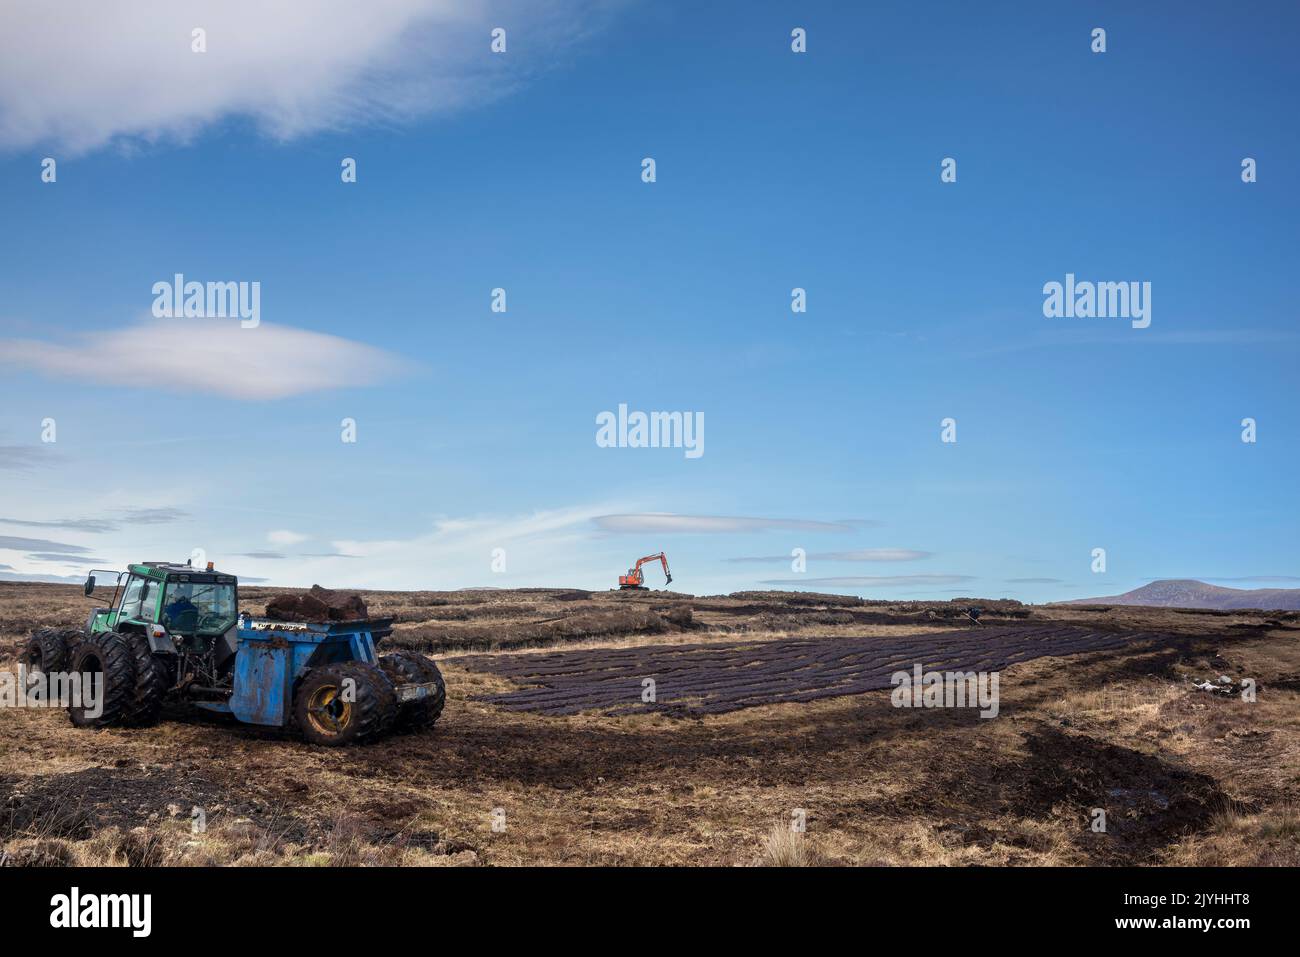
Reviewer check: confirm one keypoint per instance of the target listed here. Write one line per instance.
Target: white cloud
(562, 547)
(667, 522)
(210, 355)
(285, 537)
(873, 581)
(856, 555)
(77, 74)
(871, 555)
(546, 548)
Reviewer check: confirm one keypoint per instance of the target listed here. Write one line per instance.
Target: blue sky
(775, 170)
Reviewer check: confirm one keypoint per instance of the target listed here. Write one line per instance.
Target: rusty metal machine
(173, 633)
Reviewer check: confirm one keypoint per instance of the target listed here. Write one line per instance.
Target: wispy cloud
(99, 526)
(11, 576)
(62, 558)
(210, 355)
(1153, 337)
(670, 523)
(23, 458)
(40, 545)
(379, 62)
(153, 516)
(551, 547)
(284, 536)
(858, 555)
(265, 555)
(1034, 581)
(94, 525)
(873, 581)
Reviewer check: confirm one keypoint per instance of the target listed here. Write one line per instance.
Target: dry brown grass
(786, 847)
(1270, 837)
(236, 845)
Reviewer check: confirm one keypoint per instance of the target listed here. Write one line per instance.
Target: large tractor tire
(108, 655)
(406, 666)
(48, 649)
(152, 680)
(325, 714)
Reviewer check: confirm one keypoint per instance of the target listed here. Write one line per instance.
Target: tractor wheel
(325, 714)
(105, 654)
(47, 650)
(152, 679)
(406, 666)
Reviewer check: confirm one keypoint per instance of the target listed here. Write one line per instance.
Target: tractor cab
(195, 606)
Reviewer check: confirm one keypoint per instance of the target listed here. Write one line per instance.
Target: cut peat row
(720, 677)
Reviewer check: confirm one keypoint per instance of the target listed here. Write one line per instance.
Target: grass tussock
(786, 847)
(1239, 836)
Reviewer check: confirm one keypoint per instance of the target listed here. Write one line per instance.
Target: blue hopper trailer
(323, 677)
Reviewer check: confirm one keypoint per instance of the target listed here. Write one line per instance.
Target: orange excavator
(634, 578)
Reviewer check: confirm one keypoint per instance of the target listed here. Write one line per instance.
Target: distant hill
(1189, 593)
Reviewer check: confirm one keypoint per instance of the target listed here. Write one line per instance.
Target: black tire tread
(52, 647)
(119, 678)
(375, 705)
(151, 683)
(406, 666)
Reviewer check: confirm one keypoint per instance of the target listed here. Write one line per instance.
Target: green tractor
(174, 632)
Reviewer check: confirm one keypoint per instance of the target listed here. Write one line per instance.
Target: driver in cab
(181, 611)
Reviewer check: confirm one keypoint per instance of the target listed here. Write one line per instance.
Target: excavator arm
(635, 578)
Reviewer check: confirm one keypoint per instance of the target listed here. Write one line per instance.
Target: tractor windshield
(198, 607)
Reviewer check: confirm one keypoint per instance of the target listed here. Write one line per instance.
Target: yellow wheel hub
(327, 711)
